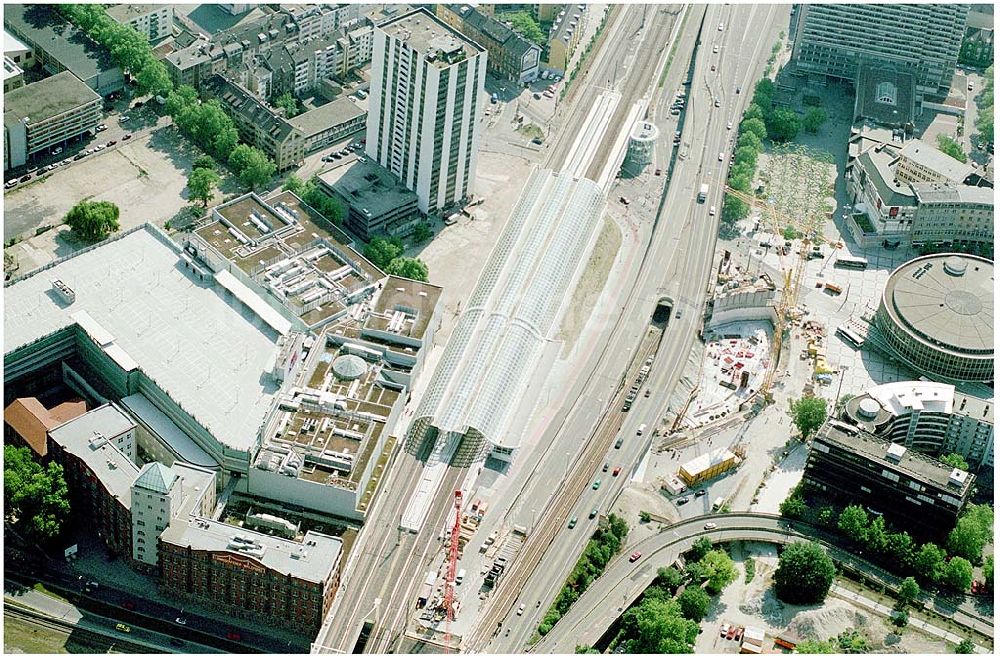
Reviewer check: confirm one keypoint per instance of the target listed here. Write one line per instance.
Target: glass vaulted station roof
(513, 311)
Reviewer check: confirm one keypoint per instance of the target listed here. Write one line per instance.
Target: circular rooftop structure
(349, 367)
(936, 315)
(641, 141)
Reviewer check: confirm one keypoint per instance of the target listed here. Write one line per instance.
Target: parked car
(658, 171)
(682, 501)
(121, 627)
(124, 118)
(128, 136)
(25, 178)
(57, 150)
(537, 140)
(102, 127)
(80, 155)
(233, 635)
(181, 621)
(729, 126)
(711, 210)
(699, 493)
(112, 143)
(536, 96)
(10, 184)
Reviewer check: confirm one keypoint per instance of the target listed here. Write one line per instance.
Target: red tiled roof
(32, 421)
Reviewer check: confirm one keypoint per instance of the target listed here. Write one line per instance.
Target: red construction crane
(449, 582)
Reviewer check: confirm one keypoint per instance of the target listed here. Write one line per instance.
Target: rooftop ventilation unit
(66, 294)
(895, 452)
(958, 477)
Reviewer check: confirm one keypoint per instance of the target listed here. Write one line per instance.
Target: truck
(703, 192)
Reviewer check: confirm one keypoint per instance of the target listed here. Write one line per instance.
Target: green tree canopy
(422, 232)
(93, 221)
(988, 572)
(804, 574)
(700, 548)
(929, 562)
(956, 461)
(586, 650)
(287, 103)
(747, 155)
(734, 209)
(408, 267)
(984, 102)
(754, 111)
(853, 522)
(908, 593)
(957, 574)
(901, 547)
(524, 24)
(661, 628)
(972, 532)
(782, 124)
(965, 646)
(809, 413)
(755, 126)
(853, 641)
(793, 506)
(750, 140)
(951, 147)
(813, 119)
(204, 162)
(36, 500)
(694, 603)
(813, 646)
(201, 185)
(763, 93)
(669, 578)
(251, 165)
(718, 569)
(381, 250)
(153, 78)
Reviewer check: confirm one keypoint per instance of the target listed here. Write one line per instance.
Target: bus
(852, 338)
(857, 263)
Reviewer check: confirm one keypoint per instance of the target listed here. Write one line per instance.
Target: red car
(731, 632)
(616, 471)
(129, 605)
(635, 556)
(233, 635)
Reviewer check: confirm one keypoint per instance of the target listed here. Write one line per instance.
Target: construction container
(708, 466)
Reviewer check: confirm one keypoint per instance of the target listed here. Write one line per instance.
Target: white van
(641, 430)
(460, 576)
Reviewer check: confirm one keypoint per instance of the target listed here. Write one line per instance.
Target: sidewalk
(884, 610)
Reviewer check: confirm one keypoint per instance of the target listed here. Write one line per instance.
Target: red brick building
(250, 575)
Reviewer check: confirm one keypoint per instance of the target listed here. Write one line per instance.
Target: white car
(721, 27)
(520, 609)
(710, 525)
(729, 126)
(722, 156)
(711, 210)
(715, 48)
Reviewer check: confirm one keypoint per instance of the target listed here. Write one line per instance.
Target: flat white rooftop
(206, 353)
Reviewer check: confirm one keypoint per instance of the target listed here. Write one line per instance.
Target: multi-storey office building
(932, 418)
(153, 21)
(426, 91)
(511, 56)
(832, 39)
(953, 216)
(377, 203)
(918, 493)
(46, 114)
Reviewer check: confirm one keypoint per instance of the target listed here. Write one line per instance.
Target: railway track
(96, 641)
(566, 495)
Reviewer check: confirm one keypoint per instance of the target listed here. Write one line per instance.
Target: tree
(700, 548)
(852, 641)
(381, 250)
(694, 603)
(813, 119)
(809, 413)
(294, 184)
(804, 574)
(204, 162)
(951, 147)
(586, 649)
(763, 93)
(93, 221)
(982, 516)
(734, 209)
(180, 99)
(900, 618)
(524, 23)
(878, 536)
(287, 103)
(825, 516)
(782, 124)
(669, 578)
(252, 166)
(957, 574)
(755, 126)
(988, 572)
(422, 232)
(746, 155)
(967, 539)
(965, 646)
(908, 592)
(749, 140)
(201, 185)
(36, 499)
(984, 119)
(902, 549)
(154, 79)
(956, 461)
(793, 507)
(718, 569)
(408, 267)
(660, 627)
(813, 646)
(754, 111)
(929, 562)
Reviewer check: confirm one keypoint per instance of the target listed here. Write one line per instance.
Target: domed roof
(349, 367)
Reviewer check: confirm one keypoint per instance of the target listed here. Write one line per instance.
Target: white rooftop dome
(349, 367)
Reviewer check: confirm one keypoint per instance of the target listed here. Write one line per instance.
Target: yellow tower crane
(792, 277)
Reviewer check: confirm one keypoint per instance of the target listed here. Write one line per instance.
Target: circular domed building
(936, 315)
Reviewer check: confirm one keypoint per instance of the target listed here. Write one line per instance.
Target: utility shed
(707, 466)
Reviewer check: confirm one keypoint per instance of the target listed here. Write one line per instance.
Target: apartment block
(511, 56)
(162, 496)
(251, 575)
(914, 491)
(426, 92)
(59, 46)
(832, 40)
(953, 216)
(258, 123)
(46, 114)
(564, 35)
(153, 21)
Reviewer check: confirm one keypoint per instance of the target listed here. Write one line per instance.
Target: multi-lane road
(623, 580)
(677, 264)
(384, 571)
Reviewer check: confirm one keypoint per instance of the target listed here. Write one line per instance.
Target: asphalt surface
(678, 265)
(382, 577)
(624, 580)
